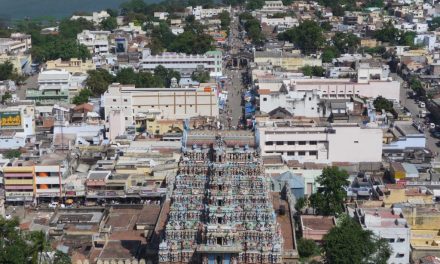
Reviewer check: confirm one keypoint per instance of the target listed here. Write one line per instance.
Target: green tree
(307, 36)
(126, 76)
(300, 204)
(346, 42)
(82, 97)
(39, 245)
(331, 195)
(109, 24)
(69, 29)
(329, 53)
(12, 153)
(136, 6)
(200, 76)
(348, 243)
(307, 248)
(313, 71)
(435, 23)
(61, 258)
(416, 85)
(98, 81)
(225, 19)
(6, 71)
(254, 4)
(326, 26)
(381, 103)
(6, 97)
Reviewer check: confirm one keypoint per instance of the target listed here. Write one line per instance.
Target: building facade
(186, 64)
(172, 103)
(221, 211)
(311, 142)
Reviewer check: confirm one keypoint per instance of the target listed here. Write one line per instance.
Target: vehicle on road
(436, 134)
(422, 113)
(422, 105)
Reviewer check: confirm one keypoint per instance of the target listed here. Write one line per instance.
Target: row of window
(291, 143)
(295, 153)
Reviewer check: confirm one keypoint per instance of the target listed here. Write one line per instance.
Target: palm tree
(39, 244)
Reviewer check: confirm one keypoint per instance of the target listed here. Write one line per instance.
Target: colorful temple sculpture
(221, 212)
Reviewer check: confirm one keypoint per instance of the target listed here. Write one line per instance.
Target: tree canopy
(348, 243)
(307, 36)
(17, 247)
(307, 248)
(313, 71)
(381, 103)
(6, 71)
(331, 195)
(394, 36)
(252, 27)
(346, 42)
(82, 97)
(109, 24)
(329, 53)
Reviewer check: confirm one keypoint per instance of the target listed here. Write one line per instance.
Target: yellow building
(73, 65)
(21, 62)
(19, 181)
(425, 230)
(368, 43)
(288, 61)
(395, 194)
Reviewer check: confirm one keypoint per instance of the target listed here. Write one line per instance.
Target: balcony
(19, 182)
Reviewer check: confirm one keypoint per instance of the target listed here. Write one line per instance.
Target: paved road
(31, 82)
(414, 108)
(233, 85)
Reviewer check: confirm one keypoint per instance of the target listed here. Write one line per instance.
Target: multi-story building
(221, 211)
(17, 125)
(96, 41)
(201, 13)
(72, 66)
(286, 60)
(172, 103)
(319, 143)
(19, 182)
(55, 86)
(96, 17)
(186, 64)
(389, 224)
(17, 43)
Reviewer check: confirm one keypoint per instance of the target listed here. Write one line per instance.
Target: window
(391, 240)
(219, 241)
(280, 142)
(313, 142)
(290, 153)
(269, 143)
(310, 98)
(114, 100)
(27, 125)
(126, 118)
(356, 141)
(301, 142)
(166, 106)
(301, 153)
(264, 99)
(313, 153)
(291, 143)
(401, 240)
(400, 255)
(125, 100)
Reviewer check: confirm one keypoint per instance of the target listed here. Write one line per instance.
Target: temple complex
(221, 211)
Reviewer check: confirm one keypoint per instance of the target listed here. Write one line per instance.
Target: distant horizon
(53, 9)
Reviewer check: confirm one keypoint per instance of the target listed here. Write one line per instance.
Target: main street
(414, 109)
(233, 111)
